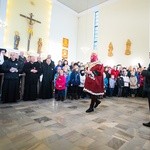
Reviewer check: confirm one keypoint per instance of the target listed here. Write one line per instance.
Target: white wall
(85, 37)
(119, 20)
(41, 12)
(3, 5)
(64, 24)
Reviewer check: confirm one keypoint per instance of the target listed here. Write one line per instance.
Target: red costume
(94, 82)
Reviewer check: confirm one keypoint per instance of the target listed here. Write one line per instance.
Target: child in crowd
(105, 84)
(120, 84)
(61, 86)
(126, 84)
(112, 83)
(67, 76)
(55, 77)
(133, 84)
(81, 93)
(74, 82)
(58, 65)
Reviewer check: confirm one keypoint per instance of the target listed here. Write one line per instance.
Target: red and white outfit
(94, 82)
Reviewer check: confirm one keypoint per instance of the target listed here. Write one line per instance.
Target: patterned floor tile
(116, 124)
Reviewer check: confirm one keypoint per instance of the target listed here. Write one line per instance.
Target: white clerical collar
(1, 58)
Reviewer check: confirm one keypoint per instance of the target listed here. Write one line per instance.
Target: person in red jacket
(61, 85)
(94, 82)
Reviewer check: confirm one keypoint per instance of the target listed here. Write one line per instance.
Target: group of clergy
(15, 65)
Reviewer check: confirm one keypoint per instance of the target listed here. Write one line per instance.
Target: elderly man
(10, 89)
(32, 71)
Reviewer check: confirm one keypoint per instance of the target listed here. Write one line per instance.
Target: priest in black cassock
(46, 90)
(10, 88)
(32, 71)
(2, 57)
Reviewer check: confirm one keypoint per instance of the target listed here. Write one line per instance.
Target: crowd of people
(63, 81)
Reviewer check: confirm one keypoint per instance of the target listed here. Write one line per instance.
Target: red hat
(94, 57)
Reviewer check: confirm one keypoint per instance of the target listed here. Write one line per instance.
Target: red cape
(95, 84)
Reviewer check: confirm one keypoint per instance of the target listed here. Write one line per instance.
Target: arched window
(95, 42)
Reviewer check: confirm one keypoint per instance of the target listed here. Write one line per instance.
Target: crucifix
(30, 29)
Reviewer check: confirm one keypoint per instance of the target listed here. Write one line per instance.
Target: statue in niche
(40, 43)
(110, 50)
(128, 47)
(16, 40)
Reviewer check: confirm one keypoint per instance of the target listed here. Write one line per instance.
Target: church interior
(68, 32)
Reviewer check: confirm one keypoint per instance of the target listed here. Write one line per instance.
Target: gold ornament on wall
(64, 54)
(65, 42)
(128, 47)
(110, 50)
(32, 2)
(39, 44)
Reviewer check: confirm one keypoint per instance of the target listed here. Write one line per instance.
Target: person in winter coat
(120, 84)
(61, 86)
(81, 93)
(146, 74)
(112, 83)
(10, 88)
(74, 82)
(133, 84)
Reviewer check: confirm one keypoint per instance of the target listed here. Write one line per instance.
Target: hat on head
(94, 57)
(3, 49)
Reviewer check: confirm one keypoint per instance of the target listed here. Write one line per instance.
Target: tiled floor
(49, 125)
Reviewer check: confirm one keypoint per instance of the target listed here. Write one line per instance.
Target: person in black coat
(2, 59)
(32, 71)
(74, 82)
(10, 88)
(46, 90)
(120, 84)
(146, 74)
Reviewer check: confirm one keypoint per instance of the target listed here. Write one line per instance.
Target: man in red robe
(94, 82)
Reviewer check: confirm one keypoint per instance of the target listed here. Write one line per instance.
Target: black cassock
(10, 87)
(46, 90)
(31, 79)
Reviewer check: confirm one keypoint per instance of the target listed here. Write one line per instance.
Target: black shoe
(146, 124)
(89, 110)
(97, 103)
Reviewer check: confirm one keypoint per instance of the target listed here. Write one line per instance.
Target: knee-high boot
(97, 102)
(93, 100)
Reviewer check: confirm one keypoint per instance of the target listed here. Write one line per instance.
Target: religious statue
(40, 43)
(30, 28)
(16, 40)
(128, 47)
(110, 50)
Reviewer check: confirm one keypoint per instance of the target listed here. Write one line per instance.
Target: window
(95, 42)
